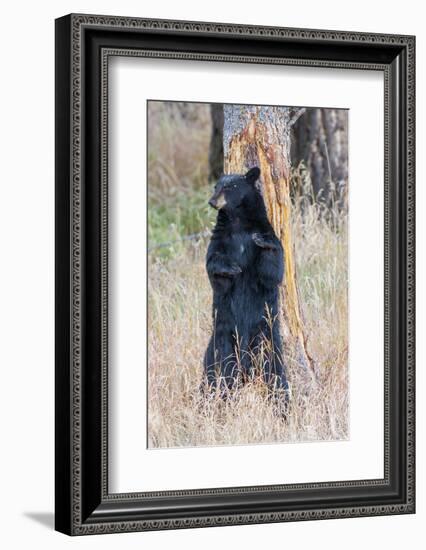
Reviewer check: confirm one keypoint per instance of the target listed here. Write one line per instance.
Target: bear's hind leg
(245, 357)
(229, 370)
(220, 361)
(209, 382)
(274, 372)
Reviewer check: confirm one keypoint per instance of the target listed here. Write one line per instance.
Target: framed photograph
(234, 274)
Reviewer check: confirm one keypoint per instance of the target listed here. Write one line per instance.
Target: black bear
(245, 265)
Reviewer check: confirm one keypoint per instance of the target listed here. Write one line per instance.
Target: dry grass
(179, 329)
(178, 137)
(179, 298)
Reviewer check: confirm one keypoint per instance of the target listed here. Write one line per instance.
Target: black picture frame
(83, 45)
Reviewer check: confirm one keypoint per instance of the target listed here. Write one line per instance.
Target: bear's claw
(263, 242)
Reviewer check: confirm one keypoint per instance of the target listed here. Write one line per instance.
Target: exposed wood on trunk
(260, 136)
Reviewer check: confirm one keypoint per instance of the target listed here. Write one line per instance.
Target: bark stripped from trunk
(260, 136)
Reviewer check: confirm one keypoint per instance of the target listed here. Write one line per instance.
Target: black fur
(245, 265)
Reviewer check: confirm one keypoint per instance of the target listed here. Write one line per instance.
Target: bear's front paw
(231, 270)
(264, 241)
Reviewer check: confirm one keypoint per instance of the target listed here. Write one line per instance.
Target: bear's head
(231, 190)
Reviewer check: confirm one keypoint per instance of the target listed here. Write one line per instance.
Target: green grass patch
(172, 219)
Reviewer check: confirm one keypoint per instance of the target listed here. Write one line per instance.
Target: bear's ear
(252, 175)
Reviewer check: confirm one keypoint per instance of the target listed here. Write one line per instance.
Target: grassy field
(179, 308)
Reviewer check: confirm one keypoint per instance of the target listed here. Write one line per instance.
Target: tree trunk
(321, 141)
(260, 136)
(216, 142)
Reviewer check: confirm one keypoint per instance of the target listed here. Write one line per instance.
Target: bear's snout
(217, 201)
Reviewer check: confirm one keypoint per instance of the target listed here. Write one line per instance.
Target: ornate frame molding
(72, 45)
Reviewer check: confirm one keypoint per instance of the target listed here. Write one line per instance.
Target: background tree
(260, 136)
(216, 142)
(320, 140)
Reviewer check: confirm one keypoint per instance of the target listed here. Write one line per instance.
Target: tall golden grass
(180, 324)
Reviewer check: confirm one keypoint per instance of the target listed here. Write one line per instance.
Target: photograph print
(247, 274)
